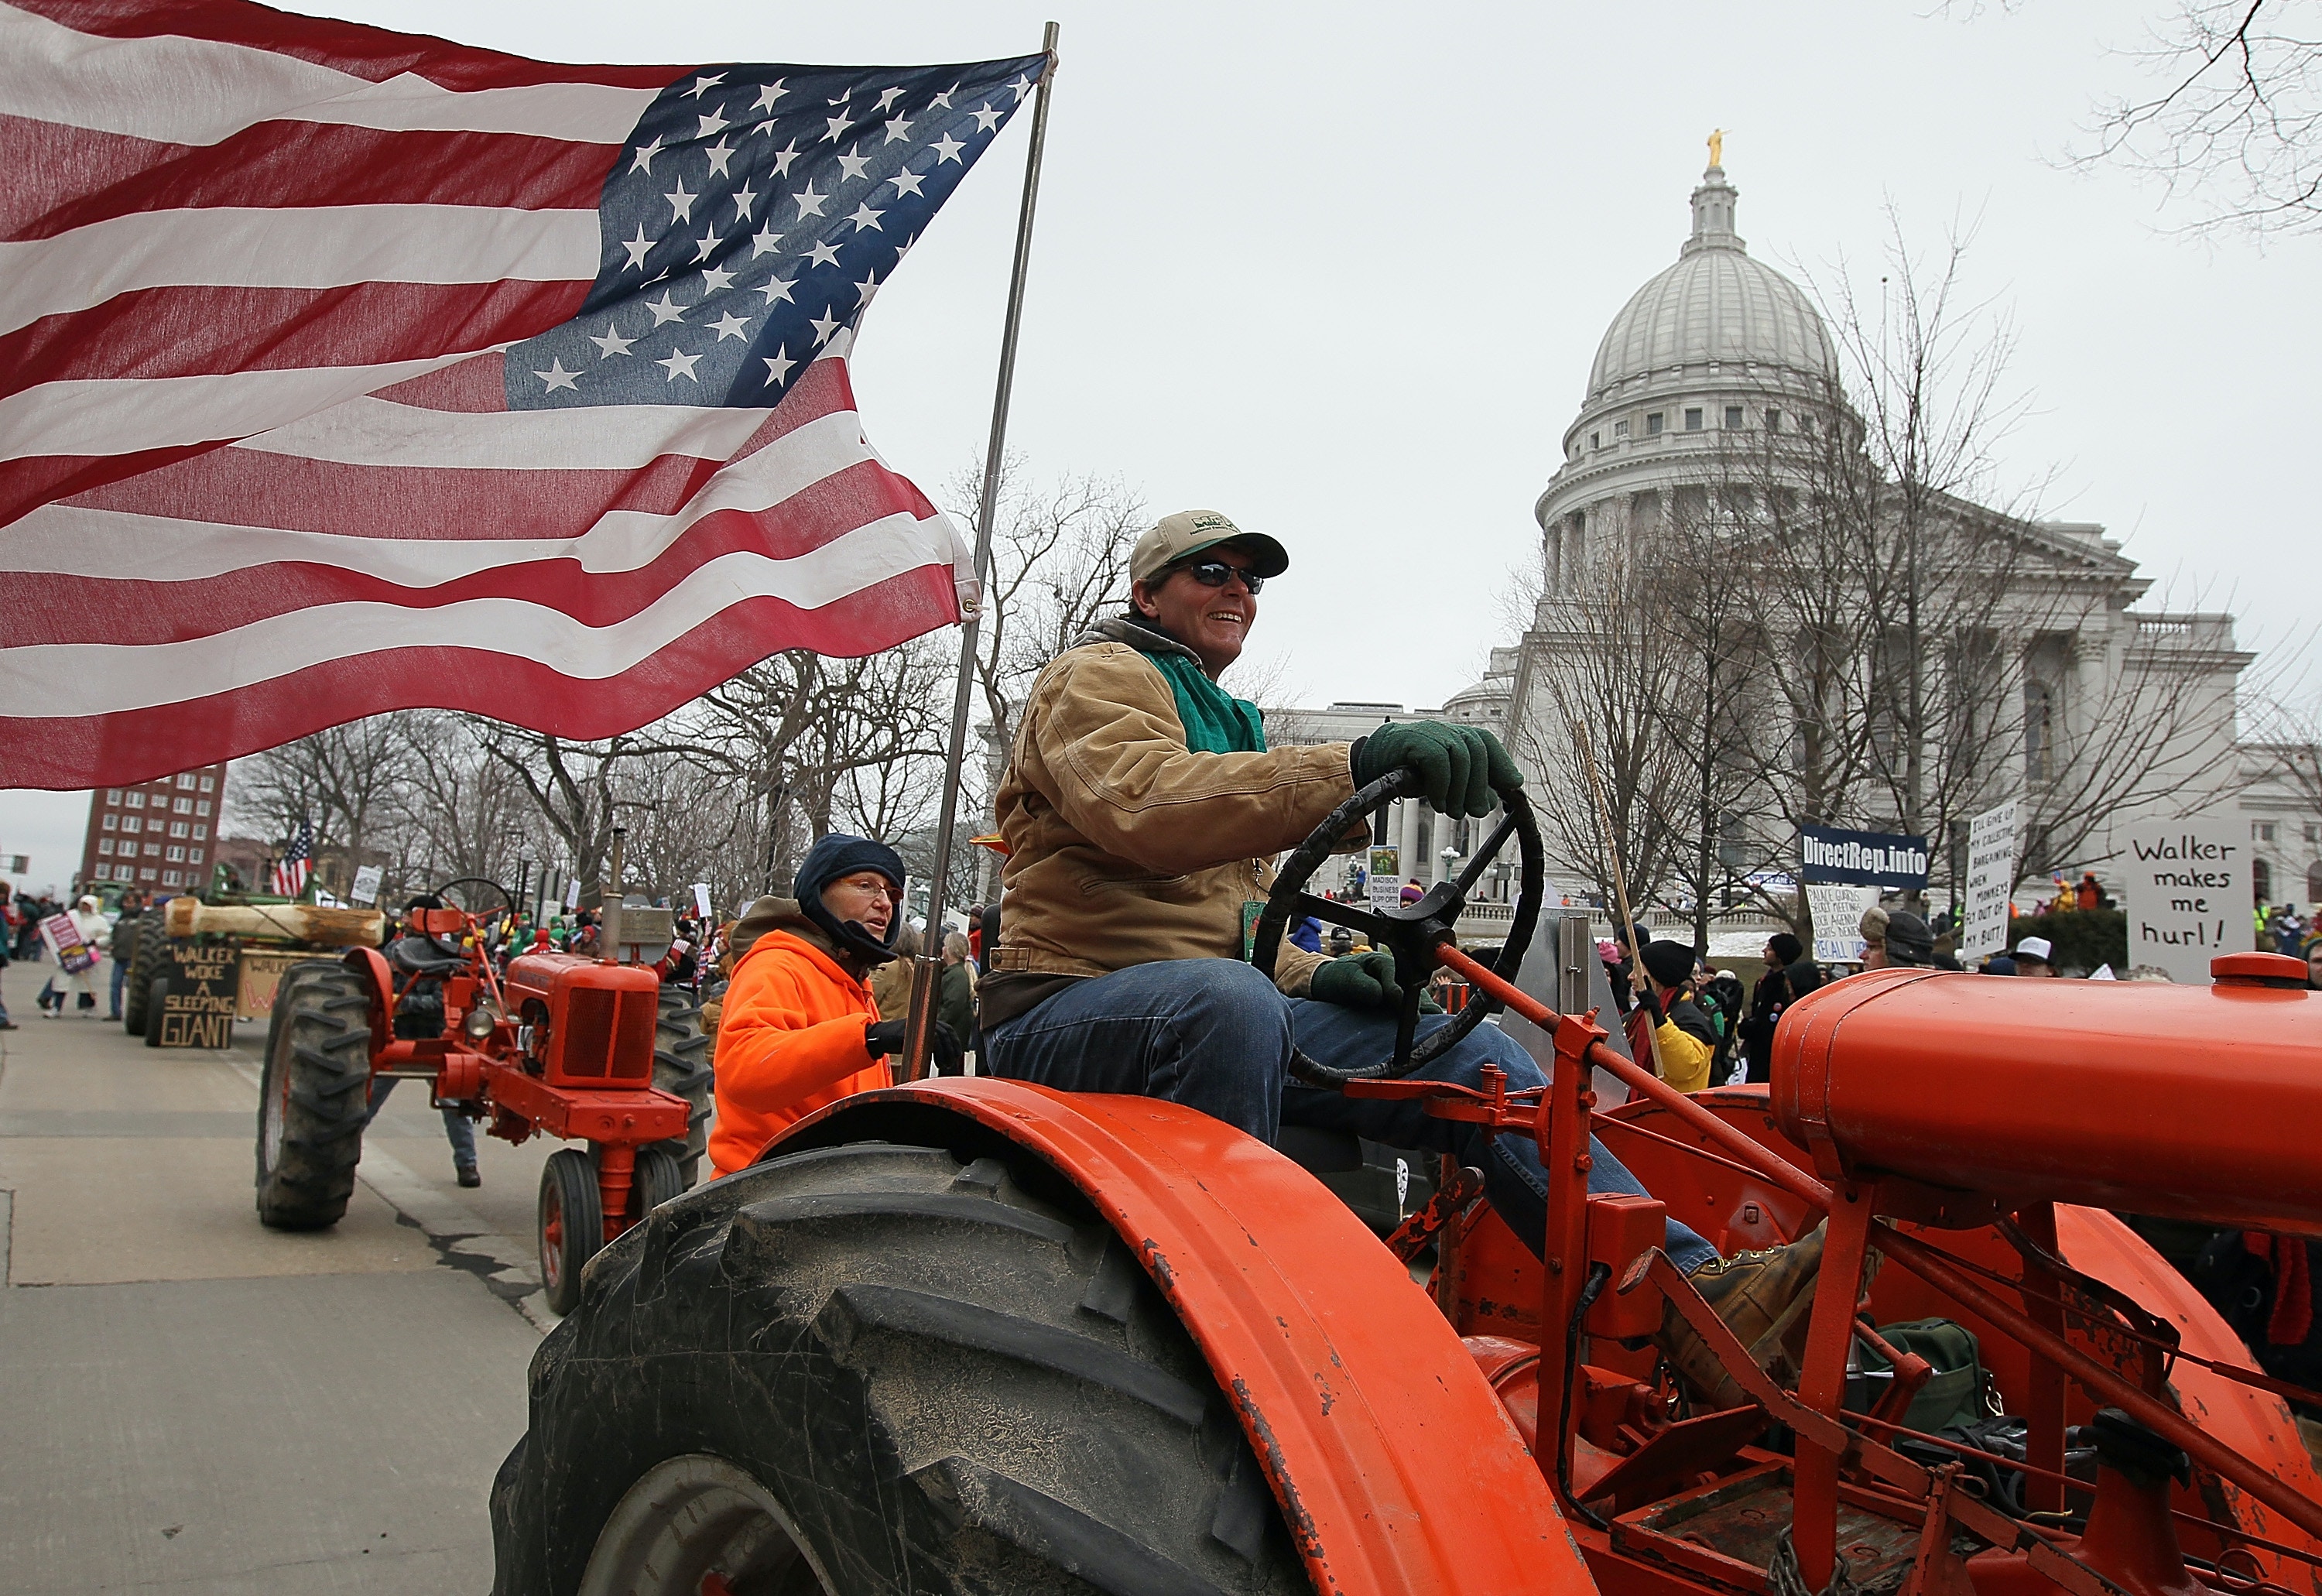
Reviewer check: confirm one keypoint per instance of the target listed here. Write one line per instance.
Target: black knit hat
(837, 855)
(1669, 962)
(1908, 940)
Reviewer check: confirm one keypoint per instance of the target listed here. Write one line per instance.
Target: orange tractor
(974, 1336)
(585, 1049)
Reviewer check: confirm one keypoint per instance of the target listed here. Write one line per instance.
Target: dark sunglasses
(1216, 573)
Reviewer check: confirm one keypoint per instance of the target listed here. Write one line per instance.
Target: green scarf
(1216, 722)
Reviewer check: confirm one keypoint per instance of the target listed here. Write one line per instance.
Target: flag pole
(927, 970)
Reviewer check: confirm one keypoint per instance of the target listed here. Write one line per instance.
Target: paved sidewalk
(194, 1403)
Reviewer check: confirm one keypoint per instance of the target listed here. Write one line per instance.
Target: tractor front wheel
(876, 1370)
(571, 1225)
(314, 1095)
(659, 1179)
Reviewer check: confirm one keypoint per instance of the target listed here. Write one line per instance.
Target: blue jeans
(1214, 1035)
(120, 978)
(458, 1128)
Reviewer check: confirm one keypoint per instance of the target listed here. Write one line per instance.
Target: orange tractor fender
(1395, 1466)
(371, 965)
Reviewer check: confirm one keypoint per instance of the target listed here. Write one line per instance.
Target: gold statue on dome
(1717, 146)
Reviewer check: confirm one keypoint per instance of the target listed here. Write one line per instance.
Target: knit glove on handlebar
(1461, 766)
(1362, 980)
(882, 1037)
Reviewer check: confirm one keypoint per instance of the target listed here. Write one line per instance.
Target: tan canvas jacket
(1124, 846)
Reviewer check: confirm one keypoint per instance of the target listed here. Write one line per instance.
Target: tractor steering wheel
(1411, 933)
(474, 881)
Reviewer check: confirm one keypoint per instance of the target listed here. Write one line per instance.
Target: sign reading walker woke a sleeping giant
(1862, 858)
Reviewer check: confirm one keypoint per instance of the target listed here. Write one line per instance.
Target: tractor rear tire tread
(144, 960)
(321, 1032)
(682, 1065)
(952, 1385)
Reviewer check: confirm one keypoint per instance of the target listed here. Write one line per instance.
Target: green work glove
(1461, 766)
(1364, 981)
(1358, 980)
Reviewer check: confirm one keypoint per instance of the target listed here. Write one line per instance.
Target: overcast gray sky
(1338, 271)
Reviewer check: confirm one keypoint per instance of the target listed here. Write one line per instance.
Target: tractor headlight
(480, 1022)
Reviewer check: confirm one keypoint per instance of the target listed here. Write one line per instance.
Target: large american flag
(347, 370)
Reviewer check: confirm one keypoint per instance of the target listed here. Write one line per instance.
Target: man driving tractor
(1140, 808)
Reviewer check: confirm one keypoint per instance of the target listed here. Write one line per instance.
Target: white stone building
(1720, 352)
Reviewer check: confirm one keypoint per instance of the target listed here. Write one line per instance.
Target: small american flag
(348, 371)
(290, 871)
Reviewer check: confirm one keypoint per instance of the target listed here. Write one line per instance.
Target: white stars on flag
(822, 210)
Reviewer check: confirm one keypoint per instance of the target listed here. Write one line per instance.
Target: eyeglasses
(1216, 573)
(871, 885)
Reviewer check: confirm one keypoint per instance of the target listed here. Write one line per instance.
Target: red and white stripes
(258, 474)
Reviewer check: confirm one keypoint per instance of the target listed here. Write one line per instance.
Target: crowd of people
(97, 933)
(1138, 805)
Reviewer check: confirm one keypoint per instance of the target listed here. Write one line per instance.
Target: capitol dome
(1716, 310)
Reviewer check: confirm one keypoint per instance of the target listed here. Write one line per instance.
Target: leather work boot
(1764, 1297)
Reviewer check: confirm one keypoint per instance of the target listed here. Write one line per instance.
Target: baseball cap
(1189, 532)
(2036, 947)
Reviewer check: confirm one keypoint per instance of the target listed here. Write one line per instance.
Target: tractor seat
(1319, 1152)
(417, 955)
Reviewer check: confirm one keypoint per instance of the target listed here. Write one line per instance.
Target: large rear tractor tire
(873, 1370)
(681, 1066)
(314, 1095)
(157, 1004)
(144, 964)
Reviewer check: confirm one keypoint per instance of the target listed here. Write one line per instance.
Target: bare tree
(1059, 557)
(2232, 119)
(346, 781)
(1608, 664)
(573, 787)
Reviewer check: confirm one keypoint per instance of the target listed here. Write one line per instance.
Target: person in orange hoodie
(799, 1027)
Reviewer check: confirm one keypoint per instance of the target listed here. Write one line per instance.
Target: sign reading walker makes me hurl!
(2188, 893)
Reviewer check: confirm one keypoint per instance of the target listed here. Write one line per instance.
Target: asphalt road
(192, 1403)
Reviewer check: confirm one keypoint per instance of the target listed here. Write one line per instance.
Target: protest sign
(1990, 877)
(195, 1007)
(1385, 880)
(2188, 893)
(1837, 911)
(63, 937)
(365, 890)
(1891, 860)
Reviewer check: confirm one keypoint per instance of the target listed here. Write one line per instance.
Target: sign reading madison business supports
(1843, 872)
